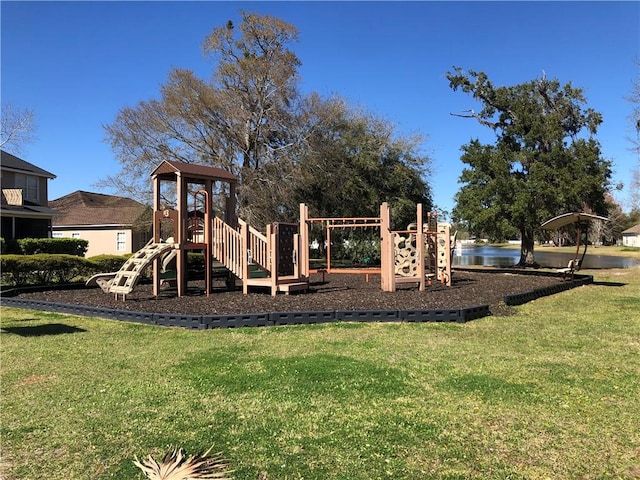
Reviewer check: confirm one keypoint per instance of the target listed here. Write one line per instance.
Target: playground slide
(166, 260)
(102, 280)
(124, 280)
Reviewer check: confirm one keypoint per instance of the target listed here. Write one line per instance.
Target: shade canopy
(570, 218)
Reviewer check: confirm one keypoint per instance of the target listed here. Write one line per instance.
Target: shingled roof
(170, 168)
(87, 208)
(635, 230)
(13, 163)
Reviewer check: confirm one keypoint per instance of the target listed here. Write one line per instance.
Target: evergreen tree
(545, 160)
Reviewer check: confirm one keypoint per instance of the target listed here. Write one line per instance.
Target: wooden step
(287, 288)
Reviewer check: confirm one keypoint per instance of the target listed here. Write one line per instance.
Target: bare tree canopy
(634, 98)
(250, 119)
(242, 120)
(17, 127)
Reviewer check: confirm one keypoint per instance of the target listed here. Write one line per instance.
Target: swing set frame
(332, 223)
(388, 278)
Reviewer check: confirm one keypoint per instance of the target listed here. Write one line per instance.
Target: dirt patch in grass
(336, 292)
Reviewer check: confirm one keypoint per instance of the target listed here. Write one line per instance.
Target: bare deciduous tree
(250, 119)
(244, 119)
(634, 98)
(18, 127)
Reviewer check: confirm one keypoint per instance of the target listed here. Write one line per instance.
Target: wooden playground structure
(277, 259)
(401, 260)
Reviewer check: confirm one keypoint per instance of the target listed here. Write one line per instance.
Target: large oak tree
(545, 159)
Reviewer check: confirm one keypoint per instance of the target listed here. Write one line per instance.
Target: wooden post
(272, 241)
(244, 251)
(420, 270)
(156, 234)
(303, 249)
(448, 250)
(208, 226)
(575, 257)
(181, 235)
(436, 267)
(328, 250)
(269, 265)
(387, 259)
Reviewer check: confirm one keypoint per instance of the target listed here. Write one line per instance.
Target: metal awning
(570, 218)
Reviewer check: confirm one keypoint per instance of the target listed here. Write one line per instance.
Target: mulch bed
(336, 292)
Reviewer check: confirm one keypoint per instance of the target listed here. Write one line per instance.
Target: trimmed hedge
(43, 268)
(108, 263)
(64, 246)
(48, 269)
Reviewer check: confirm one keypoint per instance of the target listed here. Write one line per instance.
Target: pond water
(505, 257)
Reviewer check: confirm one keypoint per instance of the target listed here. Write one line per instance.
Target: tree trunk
(527, 258)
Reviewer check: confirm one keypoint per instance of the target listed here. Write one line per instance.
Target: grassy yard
(551, 392)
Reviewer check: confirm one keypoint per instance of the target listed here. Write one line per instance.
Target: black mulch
(337, 292)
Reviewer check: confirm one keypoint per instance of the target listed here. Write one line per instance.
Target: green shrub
(108, 263)
(364, 251)
(356, 247)
(65, 246)
(43, 268)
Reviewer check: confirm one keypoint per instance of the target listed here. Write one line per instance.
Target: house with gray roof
(24, 209)
(111, 224)
(631, 237)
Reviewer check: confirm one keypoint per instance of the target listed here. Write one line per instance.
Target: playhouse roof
(169, 169)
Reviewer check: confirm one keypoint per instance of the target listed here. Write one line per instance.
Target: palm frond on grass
(176, 466)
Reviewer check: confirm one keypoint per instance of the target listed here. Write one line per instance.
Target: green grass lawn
(552, 392)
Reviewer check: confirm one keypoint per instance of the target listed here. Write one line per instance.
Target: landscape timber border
(9, 298)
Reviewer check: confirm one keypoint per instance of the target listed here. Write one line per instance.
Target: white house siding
(631, 237)
(631, 240)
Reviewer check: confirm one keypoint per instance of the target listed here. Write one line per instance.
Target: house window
(29, 186)
(120, 242)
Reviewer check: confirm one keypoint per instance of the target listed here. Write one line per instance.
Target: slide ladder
(129, 274)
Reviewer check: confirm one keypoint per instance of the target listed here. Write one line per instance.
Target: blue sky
(76, 64)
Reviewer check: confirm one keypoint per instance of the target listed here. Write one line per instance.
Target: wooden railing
(227, 246)
(235, 249)
(258, 246)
